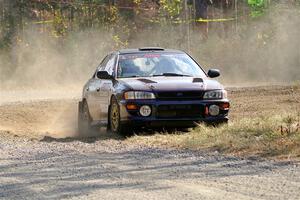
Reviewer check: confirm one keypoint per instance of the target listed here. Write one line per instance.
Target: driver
(128, 68)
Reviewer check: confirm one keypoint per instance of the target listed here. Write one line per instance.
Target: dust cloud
(262, 51)
(39, 66)
(39, 61)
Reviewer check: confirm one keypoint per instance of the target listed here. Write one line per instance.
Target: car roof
(149, 50)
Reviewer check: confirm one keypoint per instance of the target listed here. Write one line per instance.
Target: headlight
(215, 94)
(138, 95)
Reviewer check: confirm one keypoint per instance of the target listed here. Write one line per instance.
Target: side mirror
(213, 73)
(104, 75)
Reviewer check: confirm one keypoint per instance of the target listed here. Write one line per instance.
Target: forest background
(50, 43)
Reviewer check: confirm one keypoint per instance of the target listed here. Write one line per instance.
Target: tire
(114, 120)
(85, 128)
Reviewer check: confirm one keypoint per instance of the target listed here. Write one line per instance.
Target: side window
(102, 65)
(111, 64)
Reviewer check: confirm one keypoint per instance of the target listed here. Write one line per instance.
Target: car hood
(171, 84)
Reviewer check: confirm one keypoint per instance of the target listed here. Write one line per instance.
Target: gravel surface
(112, 169)
(35, 165)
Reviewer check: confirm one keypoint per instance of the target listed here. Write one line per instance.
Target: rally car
(151, 87)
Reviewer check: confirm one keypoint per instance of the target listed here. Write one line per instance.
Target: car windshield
(157, 64)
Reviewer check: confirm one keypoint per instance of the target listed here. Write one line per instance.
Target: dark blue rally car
(151, 87)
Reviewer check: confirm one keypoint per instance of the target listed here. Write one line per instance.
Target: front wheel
(115, 120)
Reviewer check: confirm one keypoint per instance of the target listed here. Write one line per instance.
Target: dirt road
(35, 165)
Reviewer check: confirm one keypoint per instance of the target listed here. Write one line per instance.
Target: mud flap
(79, 107)
(79, 114)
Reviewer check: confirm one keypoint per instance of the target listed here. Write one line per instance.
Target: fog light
(131, 107)
(145, 111)
(214, 110)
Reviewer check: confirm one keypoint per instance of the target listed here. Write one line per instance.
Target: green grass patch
(265, 136)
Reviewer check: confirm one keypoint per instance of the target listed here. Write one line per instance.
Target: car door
(107, 87)
(94, 98)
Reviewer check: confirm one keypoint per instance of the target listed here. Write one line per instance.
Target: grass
(272, 136)
(296, 85)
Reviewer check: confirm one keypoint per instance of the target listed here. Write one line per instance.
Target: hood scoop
(197, 80)
(146, 80)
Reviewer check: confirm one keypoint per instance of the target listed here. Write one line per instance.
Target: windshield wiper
(171, 74)
(133, 76)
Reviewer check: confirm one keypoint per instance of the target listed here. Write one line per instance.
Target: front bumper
(180, 113)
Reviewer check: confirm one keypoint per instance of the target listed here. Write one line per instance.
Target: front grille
(180, 111)
(186, 95)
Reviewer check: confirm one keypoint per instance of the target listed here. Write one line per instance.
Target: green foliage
(61, 17)
(257, 7)
(59, 25)
(119, 43)
(112, 15)
(172, 8)
(8, 24)
(257, 3)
